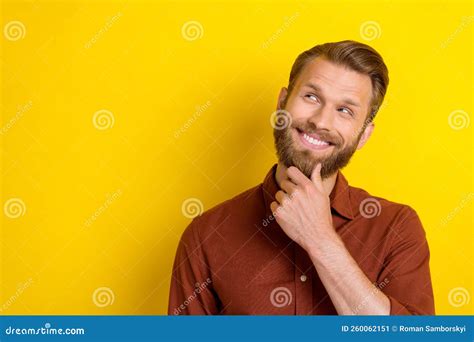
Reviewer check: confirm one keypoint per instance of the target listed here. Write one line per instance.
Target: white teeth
(314, 141)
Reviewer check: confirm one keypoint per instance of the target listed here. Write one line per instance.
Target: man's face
(328, 107)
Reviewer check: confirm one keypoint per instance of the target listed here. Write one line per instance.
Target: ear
(282, 98)
(366, 135)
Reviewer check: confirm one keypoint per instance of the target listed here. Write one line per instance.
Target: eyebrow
(345, 100)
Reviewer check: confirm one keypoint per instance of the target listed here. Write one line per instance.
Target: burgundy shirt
(234, 259)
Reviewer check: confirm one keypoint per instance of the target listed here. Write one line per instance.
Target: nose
(323, 118)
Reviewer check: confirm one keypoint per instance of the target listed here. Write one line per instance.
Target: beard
(306, 160)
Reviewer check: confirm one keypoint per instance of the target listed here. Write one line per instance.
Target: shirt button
(303, 278)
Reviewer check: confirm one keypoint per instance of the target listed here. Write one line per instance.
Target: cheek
(346, 133)
(351, 137)
(298, 110)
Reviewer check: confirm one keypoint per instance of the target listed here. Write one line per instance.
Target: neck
(328, 183)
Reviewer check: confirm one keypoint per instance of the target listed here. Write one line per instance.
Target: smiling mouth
(313, 141)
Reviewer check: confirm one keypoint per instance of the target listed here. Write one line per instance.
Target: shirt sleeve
(191, 291)
(406, 274)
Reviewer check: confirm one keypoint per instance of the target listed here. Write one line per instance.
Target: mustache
(323, 134)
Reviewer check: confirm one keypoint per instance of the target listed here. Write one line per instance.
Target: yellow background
(191, 120)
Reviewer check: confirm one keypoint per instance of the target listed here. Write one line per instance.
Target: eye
(346, 110)
(312, 97)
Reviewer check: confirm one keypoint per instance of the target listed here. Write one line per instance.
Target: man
(304, 242)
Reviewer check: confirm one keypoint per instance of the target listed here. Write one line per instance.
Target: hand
(303, 209)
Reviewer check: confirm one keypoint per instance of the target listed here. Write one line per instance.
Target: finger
(280, 196)
(274, 208)
(296, 176)
(288, 186)
(316, 175)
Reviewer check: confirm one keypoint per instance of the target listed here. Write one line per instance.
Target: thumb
(316, 175)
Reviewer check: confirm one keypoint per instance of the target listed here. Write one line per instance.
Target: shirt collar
(340, 198)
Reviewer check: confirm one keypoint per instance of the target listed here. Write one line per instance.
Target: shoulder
(399, 217)
(223, 216)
